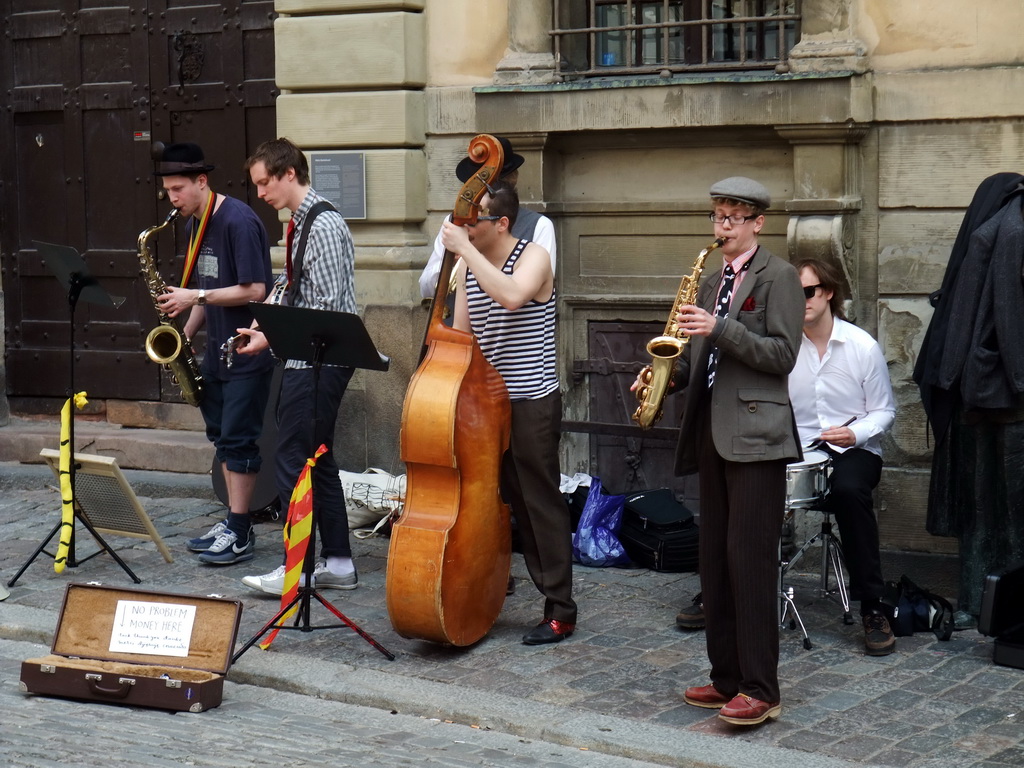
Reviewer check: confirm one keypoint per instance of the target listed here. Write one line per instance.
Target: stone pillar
(828, 42)
(826, 197)
(528, 59)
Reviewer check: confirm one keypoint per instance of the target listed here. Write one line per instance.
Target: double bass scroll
(450, 551)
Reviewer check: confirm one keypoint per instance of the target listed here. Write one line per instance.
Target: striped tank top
(520, 344)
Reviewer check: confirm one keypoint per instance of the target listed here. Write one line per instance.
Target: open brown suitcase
(93, 618)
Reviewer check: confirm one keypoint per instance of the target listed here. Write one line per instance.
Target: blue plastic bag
(595, 542)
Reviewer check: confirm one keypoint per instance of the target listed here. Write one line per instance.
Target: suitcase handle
(121, 691)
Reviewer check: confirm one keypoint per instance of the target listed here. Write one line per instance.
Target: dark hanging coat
(971, 375)
(940, 392)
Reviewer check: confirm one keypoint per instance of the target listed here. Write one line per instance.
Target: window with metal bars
(596, 38)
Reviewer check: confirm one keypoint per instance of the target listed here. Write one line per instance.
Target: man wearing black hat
(529, 225)
(229, 251)
(738, 433)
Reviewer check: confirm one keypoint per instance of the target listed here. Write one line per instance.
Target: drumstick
(815, 443)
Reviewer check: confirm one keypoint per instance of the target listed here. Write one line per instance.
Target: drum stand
(831, 558)
(787, 606)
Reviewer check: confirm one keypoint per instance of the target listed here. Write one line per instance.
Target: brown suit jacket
(751, 417)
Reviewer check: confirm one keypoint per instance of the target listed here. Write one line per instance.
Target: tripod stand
(68, 267)
(787, 603)
(831, 559)
(317, 337)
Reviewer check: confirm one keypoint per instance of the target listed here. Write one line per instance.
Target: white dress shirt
(850, 381)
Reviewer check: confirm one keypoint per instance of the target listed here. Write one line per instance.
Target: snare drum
(807, 480)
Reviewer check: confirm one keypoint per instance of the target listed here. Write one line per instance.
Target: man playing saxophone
(738, 433)
(229, 251)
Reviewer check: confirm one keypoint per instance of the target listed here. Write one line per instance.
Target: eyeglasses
(735, 219)
(485, 218)
(810, 290)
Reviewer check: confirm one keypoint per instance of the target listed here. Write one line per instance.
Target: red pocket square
(748, 305)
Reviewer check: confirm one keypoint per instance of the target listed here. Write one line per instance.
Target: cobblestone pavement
(614, 687)
(254, 727)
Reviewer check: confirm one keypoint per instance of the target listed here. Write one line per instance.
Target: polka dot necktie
(721, 310)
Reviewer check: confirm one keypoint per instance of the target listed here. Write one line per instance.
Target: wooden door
(86, 84)
(625, 457)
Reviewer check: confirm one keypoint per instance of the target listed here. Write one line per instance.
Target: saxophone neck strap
(198, 230)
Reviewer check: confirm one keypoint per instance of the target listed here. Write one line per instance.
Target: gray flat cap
(743, 189)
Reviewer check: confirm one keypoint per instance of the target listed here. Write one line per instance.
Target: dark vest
(526, 224)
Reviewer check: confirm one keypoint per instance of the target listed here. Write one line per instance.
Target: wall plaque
(341, 178)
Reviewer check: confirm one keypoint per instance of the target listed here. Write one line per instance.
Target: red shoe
(706, 696)
(746, 710)
(548, 631)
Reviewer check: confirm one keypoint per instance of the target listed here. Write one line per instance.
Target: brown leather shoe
(879, 639)
(692, 617)
(548, 631)
(746, 710)
(706, 696)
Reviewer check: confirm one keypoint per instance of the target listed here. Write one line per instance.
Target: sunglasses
(484, 218)
(809, 290)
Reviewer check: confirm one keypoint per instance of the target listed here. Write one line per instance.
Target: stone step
(163, 450)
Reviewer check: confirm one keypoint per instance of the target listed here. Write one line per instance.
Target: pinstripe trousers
(741, 512)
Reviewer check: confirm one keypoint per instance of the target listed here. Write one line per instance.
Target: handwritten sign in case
(159, 629)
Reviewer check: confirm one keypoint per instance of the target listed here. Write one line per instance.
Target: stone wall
(353, 76)
(872, 141)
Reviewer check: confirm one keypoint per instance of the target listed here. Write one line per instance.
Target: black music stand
(318, 337)
(68, 267)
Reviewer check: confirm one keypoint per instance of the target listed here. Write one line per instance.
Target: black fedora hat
(179, 159)
(466, 167)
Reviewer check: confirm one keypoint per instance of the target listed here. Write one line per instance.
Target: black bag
(916, 609)
(658, 532)
(1001, 615)
(576, 501)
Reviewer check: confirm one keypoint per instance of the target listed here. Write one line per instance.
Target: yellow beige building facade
(871, 135)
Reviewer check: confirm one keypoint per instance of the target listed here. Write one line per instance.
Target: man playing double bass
(506, 298)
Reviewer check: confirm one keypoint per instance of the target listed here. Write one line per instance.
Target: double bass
(450, 551)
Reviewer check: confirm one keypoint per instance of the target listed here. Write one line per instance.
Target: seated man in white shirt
(841, 378)
(529, 225)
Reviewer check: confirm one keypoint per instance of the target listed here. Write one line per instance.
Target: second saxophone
(666, 349)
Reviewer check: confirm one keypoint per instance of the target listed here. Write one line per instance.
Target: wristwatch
(201, 298)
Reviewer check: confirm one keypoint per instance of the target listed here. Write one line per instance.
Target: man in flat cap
(229, 251)
(529, 225)
(738, 433)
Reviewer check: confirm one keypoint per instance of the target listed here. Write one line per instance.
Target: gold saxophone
(166, 344)
(666, 349)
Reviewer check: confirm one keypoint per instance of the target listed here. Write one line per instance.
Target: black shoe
(879, 639)
(548, 631)
(693, 616)
(511, 588)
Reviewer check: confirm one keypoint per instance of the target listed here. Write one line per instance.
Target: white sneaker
(272, 583)
(325, 579)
